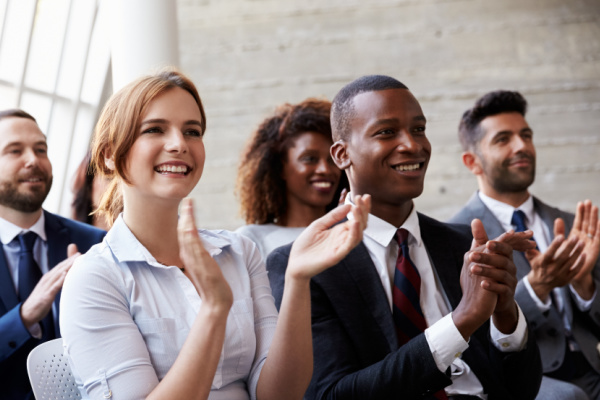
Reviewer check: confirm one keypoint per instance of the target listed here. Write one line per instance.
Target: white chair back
(49, 372)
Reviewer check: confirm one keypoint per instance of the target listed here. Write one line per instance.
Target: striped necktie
(406, 294)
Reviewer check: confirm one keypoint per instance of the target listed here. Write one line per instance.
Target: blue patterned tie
(29, 275)
(518, 220)
(29, 271)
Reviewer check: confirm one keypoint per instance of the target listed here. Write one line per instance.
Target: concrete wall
(247, 56)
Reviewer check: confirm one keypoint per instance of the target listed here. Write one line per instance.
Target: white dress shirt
(12, 247)
(541, 234)
(445, 341)
(124, 316)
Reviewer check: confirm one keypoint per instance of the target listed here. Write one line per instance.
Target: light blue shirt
(124, 317)
(12, 248)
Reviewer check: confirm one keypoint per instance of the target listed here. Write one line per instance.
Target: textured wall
(247, 56)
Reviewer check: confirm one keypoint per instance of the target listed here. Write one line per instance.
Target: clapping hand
(586, 228)
(322, 245)
(200, 267)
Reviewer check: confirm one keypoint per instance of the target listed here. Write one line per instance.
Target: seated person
(163, 310)
(420, 309)
(286, 178)
(557, 288)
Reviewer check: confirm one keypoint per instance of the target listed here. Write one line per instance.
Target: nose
(31, 158)
(518, 143)
(407, 143)
(324, 166)
(175, 142)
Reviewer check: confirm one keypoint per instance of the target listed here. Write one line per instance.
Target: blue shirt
(124, 317)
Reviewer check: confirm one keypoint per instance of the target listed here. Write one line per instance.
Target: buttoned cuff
(582, 304)
(445, 342)
(543, 306)
(513, 341)
(35, 330)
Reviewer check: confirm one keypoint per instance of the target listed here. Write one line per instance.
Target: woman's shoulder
(97, 261)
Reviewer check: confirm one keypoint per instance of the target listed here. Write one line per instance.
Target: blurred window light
(55, 64)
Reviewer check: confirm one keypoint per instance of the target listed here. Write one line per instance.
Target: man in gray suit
(558, 281)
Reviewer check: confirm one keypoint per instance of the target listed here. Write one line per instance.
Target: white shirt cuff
(35, 330)
(582, 304)
(445, 342)
(513, 341)
(543, 306)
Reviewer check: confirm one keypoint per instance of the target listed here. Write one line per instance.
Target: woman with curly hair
(286, 177)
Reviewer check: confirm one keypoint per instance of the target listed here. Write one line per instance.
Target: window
(55, 64)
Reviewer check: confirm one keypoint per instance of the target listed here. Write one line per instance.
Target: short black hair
(342, 108)
(492, 103)
(16, 113)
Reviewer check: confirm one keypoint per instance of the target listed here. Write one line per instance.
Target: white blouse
(124, 317)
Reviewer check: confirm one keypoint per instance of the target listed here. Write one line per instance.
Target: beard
(505, 181)
(25, 202)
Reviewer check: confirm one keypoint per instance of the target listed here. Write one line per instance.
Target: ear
(109, 160)
(339, 154)
(472, 162)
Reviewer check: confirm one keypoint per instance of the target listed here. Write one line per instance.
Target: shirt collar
(126, 247)
(504, 212)
(9, 231)
(383, 232)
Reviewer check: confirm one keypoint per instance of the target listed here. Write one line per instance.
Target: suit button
(555, 364)
(552, 332)
(12, 344)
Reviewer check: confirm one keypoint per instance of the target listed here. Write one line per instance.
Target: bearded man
(37, 250)
(558, 281)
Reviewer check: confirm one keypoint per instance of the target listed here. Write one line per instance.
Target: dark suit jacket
(15, 340)
(546, 327)
(356, 353)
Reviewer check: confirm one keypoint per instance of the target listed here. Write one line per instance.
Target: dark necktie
(565, 371)
(518, 220)
(29, 271)
(406, 294)
(408, 315)
(29, 275)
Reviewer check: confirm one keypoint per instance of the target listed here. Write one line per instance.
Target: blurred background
(61, 59)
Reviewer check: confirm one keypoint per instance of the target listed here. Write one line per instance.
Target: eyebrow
(164, 121)
(41, 142)
(385, 121)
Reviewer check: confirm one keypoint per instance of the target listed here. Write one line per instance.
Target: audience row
(337, 287)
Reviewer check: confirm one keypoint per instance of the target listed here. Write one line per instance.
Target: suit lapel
(58, 241)
(443, 258)
(8, 295)
(363, 272)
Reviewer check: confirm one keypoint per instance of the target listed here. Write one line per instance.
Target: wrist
(542, 291)
(506, 321)
(584, 287)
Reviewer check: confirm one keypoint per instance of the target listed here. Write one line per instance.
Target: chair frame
(50, 374)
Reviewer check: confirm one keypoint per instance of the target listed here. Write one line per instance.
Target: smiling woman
(286, 178)
(163, 310)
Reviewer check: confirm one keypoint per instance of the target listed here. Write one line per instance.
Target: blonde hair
(118, 128)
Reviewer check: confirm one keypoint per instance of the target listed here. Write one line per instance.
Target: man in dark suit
(369, 341)
(38, 248)
(558, 283)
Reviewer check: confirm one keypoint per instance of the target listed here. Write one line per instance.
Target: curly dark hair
(492, 103)
(260, 186)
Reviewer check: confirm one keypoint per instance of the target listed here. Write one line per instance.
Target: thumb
(72, 250)
(559, 227)
(531, 254)
(480, 237)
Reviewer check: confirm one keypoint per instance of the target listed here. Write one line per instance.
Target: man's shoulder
(473, 208)
(56, 222)
(429, 224)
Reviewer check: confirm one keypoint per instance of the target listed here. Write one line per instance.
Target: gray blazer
(547, 327)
